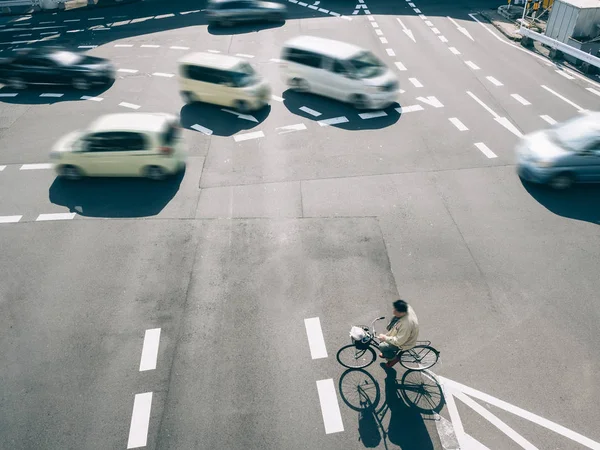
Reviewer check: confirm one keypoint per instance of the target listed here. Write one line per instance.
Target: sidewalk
(68, 5)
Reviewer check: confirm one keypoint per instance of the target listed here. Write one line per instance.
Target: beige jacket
(405, 331)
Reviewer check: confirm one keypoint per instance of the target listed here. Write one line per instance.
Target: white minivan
(222, 80)
(338, 70)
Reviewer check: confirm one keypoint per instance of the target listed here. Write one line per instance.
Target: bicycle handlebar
(373, 324)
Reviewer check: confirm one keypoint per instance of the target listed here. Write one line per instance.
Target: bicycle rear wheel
(353, 358)
(420, 357)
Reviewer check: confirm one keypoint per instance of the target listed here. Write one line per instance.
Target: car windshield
(577, 134)
(366, 65)
(244, 75)
(64, 58)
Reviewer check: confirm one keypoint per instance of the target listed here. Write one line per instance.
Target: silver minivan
(565, 154)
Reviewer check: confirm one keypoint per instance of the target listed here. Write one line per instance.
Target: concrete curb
(510, 36)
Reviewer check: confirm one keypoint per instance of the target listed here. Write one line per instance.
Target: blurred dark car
(55, 66)
(565, 154)
(230, 12)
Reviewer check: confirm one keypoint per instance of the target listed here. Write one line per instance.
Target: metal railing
(561, 47)
(9, 3)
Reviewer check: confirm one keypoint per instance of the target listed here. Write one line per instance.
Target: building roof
(141, 122)
(327, 47)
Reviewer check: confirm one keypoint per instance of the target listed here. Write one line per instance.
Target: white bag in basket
(358, 334)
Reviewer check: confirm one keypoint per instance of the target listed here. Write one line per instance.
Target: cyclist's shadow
(402, 410)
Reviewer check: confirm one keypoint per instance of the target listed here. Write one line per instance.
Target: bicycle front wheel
(420, 357)
(353, 358)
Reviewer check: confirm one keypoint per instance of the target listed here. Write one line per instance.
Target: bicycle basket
(360, 337)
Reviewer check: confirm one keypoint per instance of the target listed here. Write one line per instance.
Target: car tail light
(166, 150)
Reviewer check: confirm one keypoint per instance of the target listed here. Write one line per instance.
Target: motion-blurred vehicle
(55, 66)
(338, 70)
(565, 154)
(229, 12)
(222, 80)
(122, 145)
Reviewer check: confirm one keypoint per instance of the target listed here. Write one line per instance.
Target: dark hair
(401, 306)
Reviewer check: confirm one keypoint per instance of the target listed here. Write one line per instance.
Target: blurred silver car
(230, 12)
(565, 154)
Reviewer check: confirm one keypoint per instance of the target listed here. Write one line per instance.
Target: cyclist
(402, 332)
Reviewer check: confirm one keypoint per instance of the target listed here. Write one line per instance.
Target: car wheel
(562, 181)
(155, 173)
(81, 84)
(242, 106)
(359, 101)
(17, 83)
(300, 85)
(71, 173)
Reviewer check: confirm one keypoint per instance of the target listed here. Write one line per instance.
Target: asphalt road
(301, 219)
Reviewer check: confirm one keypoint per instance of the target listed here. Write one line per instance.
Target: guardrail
(561, 47)
(9, 3)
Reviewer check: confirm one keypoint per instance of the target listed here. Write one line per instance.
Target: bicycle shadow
(400, 418)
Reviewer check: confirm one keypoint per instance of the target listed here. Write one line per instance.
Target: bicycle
(360, 353)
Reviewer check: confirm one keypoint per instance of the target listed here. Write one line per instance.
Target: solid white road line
(494, 81)
(458, 124)
(485, 150)
(202, 129)
(549, 119)
(129, 105)
(93, 99)
(564, 74)
(372, 115)
(415, 82)
(127, 70)
(51, 94)
(10, 219)
(312, 112)
(408, 109)
(123, 45)
(454, 50)
(390, 52)
(487, 108)
(594, 91)
(579, 108)
(8, 95)
(248, 136)
(330, 408)
(290, 128)
(520, 99)
(176, 47)
(149, 46)
(316, 342)
(472, 65)
(56, 216)
(243, 55)
(165, 75)
(333, 121)
(140, 420)
(150, 349)
(400, 66)
(443, 38)
(36, 166)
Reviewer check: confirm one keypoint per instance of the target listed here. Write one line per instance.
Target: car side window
(114, 142)
(130, 142)
(202, 74)
(305, 58)
(339, 67)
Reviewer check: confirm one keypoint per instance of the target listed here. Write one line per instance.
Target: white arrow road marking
(509, 126)
(406, 30)
(461, 29)
(2, 168)
(431, 101)
(241, 116)
(579, 108)
(487, 108)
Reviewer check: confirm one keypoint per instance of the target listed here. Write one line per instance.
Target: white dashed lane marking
(150, 349)
(11, 94)
(415, 82)
(290, 128)
(175, 47)
(564, 74)
(72, 20)
(129, 105)
(566, 100)
(140, 420)
(87, 46)
(379, 32)
(150, 46)
(56, 216)
(164, 75)
(494, 81)
(472, 65)
(2, 168)
(202, 129)
(10, 219)
(316, 342)
(454, 50)
(43, 166)
(312, 112)
(374, 25)
(248, 136)
(243, 55)
(549, 119)
(431, 101)
(127, 70)
(276, 98)
(383, 40)
(520, 99)
(485, 150)
(417, 10)
(594, 91)
(409, 109)
(400, 66)
(435, 30)
(213, 51)
(458, 124)
(124, 45)
(51, 95)
(164, 16)
(372, 115)
(443, 38)
(333, 121)
(428, 23)
(92, 99)
(390, 52)
(330, 409)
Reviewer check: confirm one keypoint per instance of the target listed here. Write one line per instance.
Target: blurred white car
(338, 70)
(122, 145)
